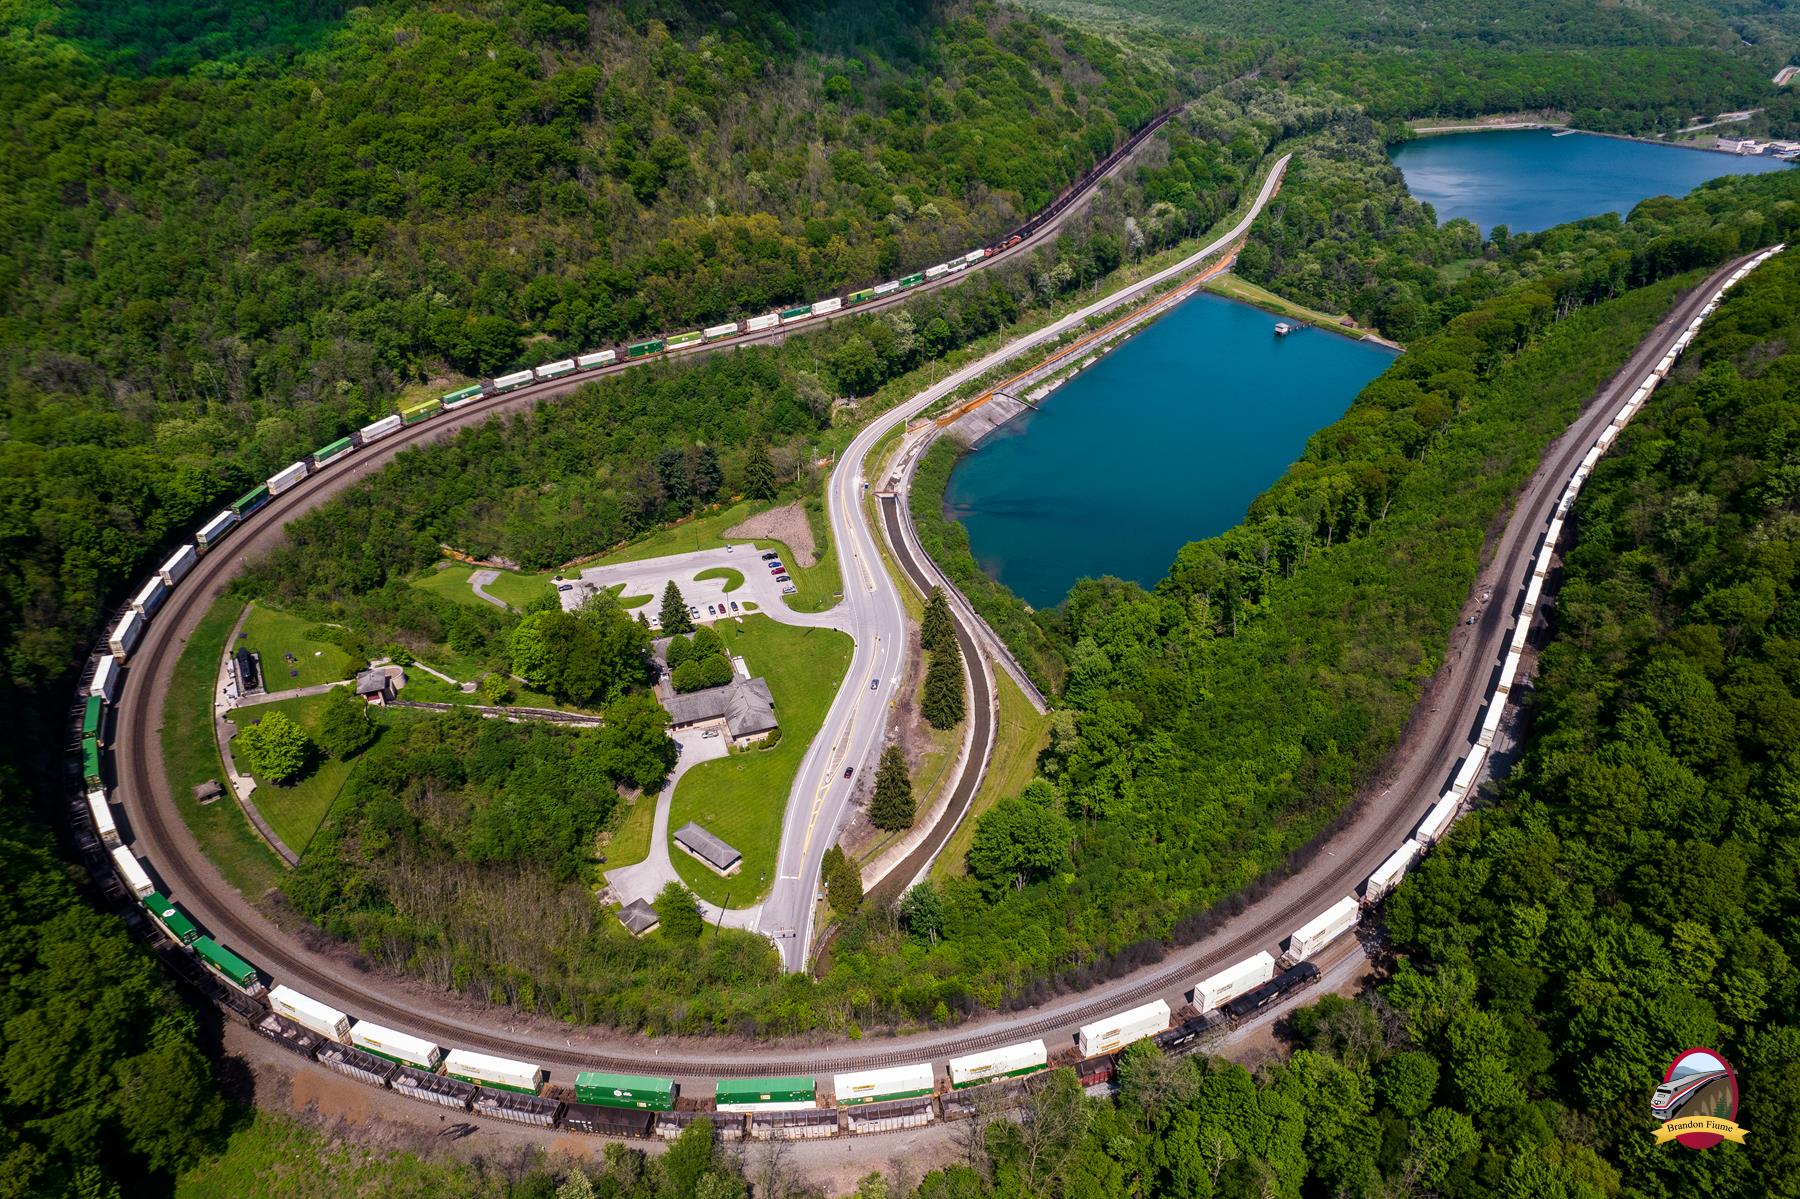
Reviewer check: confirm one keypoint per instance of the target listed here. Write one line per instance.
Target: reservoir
(1532, 179)
(1162, 442)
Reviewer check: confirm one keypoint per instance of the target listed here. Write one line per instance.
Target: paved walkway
(478, 584)
(651, 576)
(646, 879)
(225, 699)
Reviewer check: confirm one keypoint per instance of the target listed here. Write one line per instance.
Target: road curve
(1431, 746)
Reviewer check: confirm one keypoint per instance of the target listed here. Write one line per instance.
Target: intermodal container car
(488, 1071)
(1437, 821)
(938, 271)
(875, 1086)
(514, 380)
(625, 1090)
(251, 500)
(644, 349)
(598, 358)
(289, 475)
(131, 873)
(101, 813)
(974, 256)
(150, 597)
(681, 341)
(1010, 1062)
(766, 321)
(125, 635)
(214, 530)
(395, 1046)
(887, 289)
(462, 395)
(860, 297)
(1387, 876)
(913, 280)
(331, 450)
(765, 1094)
(376, 430)
(421, 412)
(173, 920)
(555, 370)
(1234, 980)
(1323, 929)
(179, 563)
(227, 965)
(93, 709)
(1118, 1031)
(309, 1013)
(821, 307)
(90, 761)
(106, 678)
(791, 316)
(715, 332)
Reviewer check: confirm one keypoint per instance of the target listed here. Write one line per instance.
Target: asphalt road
(1430, 749)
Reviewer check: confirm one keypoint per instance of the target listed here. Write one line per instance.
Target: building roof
(371, 682)
(745, 706)
(707, 847)
(246, 667)
(638, 916)
(208, 790)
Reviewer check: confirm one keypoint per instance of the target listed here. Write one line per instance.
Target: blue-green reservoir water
(1162, 442)
(1532, 179)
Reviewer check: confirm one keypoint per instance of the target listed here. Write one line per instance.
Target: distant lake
(1162, 442)
(1532, 179)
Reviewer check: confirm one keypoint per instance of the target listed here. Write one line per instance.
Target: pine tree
(936, 630)
(675, 618)
(942, 702)
(892, 807)
(759, 474)
(843, 881)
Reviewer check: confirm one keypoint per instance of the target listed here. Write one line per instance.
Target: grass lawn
(451, 581)
(519, 590)
(741, 798)
(294, 811)
(731, 579)
(818, 585)
(629, 842)
(273, 634)
(1020, 737)
(190, 756)
(704, 532)
(1242, 289)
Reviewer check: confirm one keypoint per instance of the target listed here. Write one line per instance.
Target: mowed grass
(290, 1161)
(1242, 289)
(741, 798)
(730, 580)
(629, 842)
(191, 757)
(274, 634)
(294, 811)
(451, 581)
(1019, 738)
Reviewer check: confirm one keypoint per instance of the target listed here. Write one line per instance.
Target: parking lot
(652, 575)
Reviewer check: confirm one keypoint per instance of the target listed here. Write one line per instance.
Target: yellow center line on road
(829, 776)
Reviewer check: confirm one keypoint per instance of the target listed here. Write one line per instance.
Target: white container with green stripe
(1010, 1062)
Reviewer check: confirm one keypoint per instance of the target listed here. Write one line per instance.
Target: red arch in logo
(1705, 1140)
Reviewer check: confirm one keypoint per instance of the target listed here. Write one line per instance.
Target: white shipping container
(1541, 568)
(396, 1046)
(1470, 771)
(588, 362)
(556, 370)
(1388, 875)
(176, 568)
(974, 256)
(938, 271)
(1521, 635)
(1533, 591)
(998, 1063)
(378, 429)
(888, 288)
(106, 678)
(484, 1068)
(958, 265)
(766, 321)
(1116, 1032)
(1606, 437)
(1438, 819)
(713, 332)
(131, 873)
(1324, 928)
(453, 405)
(309, 1013)
(869, 1086)
(824, 306)
(1509, 673)
(286, 477)
(212, 530)
(151, 597)
(516, 379)
(1233, 981)
(1490, 725)
(1554, 533)
(103, 817)
(125, 634)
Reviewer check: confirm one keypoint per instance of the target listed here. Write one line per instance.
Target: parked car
(710, 611)
(783, 579)
(789, 589)
(734, 606)
(770, 555)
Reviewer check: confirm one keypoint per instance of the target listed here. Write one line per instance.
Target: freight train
(630, 1105)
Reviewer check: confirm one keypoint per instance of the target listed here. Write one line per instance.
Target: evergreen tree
(759, 473)
(892, 807)
(942, 701)
(675, 618)
(936, 630)
(843, 881)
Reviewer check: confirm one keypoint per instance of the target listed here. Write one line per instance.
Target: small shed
(638, 917)
(375, 686)
(208, 791)
(699, 843)
(244, 665)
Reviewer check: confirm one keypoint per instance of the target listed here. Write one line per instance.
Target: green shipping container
(857, 297)
(789, 314)
(625, 1090)
(418, 412)
(765, 1090)
(684, 339)
(90, 717)
(171, 917)
(90, 760)
(913, 280)
(643, 349)
(221, 959)
(463, 393)
(326, 453)
(250, 501)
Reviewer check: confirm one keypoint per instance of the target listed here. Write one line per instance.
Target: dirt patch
(786, 524)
